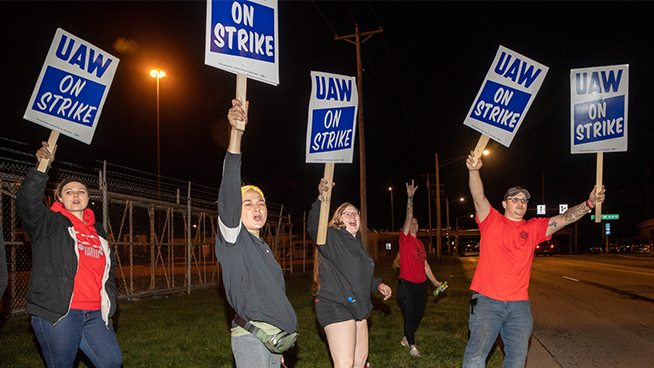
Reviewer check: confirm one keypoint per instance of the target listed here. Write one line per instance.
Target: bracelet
(379, 287)
(588, 204)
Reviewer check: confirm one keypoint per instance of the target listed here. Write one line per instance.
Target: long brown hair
(336, 223)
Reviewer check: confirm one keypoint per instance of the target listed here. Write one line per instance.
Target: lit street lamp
(392, 215)
(156, 73)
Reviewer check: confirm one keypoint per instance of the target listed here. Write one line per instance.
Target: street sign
(563, 208)
(607, 217)
(541, 209)
(607, 228)
(332, 115)
(241, 37)
(598, 109)
(506, 94)
(72, 87)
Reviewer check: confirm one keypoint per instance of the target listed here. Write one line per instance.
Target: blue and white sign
(599, 101)
(72, 87)
(510, 86)
(241, 37)
(332, 118)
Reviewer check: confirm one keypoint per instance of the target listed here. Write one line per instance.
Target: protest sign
(331, 130)
(241, 37)
(599, 101)
(331, 124)
(510, 86)
(72, 87)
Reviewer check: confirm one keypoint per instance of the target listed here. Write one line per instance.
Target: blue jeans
(250, 352)
(80, 329)
(488, 317)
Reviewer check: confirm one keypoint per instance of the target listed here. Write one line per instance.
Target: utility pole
(431, 247)
(439, 228)
(362, 141)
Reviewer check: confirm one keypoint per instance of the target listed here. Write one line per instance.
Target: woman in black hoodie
(343, 277)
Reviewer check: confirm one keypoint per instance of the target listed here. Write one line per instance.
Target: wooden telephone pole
(362, 140)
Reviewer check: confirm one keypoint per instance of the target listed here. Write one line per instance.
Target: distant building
(646, 230)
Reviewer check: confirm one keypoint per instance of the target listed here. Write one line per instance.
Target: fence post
(105, 205)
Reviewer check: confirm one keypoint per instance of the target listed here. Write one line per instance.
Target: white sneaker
(404, 342)
(414, 352)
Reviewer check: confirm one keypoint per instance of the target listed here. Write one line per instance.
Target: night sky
(420, 77)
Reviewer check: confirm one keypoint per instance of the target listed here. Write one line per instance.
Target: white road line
(570, 278)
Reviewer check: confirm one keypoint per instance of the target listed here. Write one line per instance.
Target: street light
(392, 215)
(157, 73)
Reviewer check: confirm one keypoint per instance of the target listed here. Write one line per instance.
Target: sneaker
(404, 342)
(414, 352)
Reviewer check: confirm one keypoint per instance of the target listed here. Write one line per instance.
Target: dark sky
(421, 76)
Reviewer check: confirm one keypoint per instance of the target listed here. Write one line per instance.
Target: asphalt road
(593, 311)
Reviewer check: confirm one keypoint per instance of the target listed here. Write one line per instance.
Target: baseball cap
(513, 191)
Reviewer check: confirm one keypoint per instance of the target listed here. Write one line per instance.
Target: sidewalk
(537, 356)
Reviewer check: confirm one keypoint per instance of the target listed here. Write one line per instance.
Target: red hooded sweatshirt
(88, 279)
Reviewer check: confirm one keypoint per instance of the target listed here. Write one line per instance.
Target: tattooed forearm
(409, 206)
(575, 213)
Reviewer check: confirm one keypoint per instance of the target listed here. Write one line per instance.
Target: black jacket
(54, 259)
(346, 270)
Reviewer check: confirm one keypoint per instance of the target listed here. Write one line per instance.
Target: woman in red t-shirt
(414, 271)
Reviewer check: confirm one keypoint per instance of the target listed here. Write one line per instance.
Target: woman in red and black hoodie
(72, 290)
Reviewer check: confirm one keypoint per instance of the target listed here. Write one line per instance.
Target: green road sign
(607, 217)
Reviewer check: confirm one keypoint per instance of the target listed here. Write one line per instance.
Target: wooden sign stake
(52, 142)
(481, 145)
(241, 95)
(598, 188)
(324, 204)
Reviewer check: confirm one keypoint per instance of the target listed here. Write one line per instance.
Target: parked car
(545, 248)
(641, 246)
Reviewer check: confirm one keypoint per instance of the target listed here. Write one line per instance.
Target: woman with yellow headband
(253, 280)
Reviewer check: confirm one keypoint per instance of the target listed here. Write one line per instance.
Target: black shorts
(328, 313)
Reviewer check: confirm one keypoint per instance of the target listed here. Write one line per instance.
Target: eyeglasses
(516, 200)
(351, 214)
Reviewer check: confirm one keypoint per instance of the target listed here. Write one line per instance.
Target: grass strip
(192, 330)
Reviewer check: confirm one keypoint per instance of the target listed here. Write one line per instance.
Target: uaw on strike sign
(599, 100)
(72, 87)
(510, 87)
(332, 115)
(241, 37)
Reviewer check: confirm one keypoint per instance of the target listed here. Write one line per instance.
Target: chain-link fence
(161, 229)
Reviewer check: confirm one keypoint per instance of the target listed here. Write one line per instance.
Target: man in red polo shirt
(500, 299)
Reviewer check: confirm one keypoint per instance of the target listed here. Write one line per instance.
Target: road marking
(613, 267)
(570, 278)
